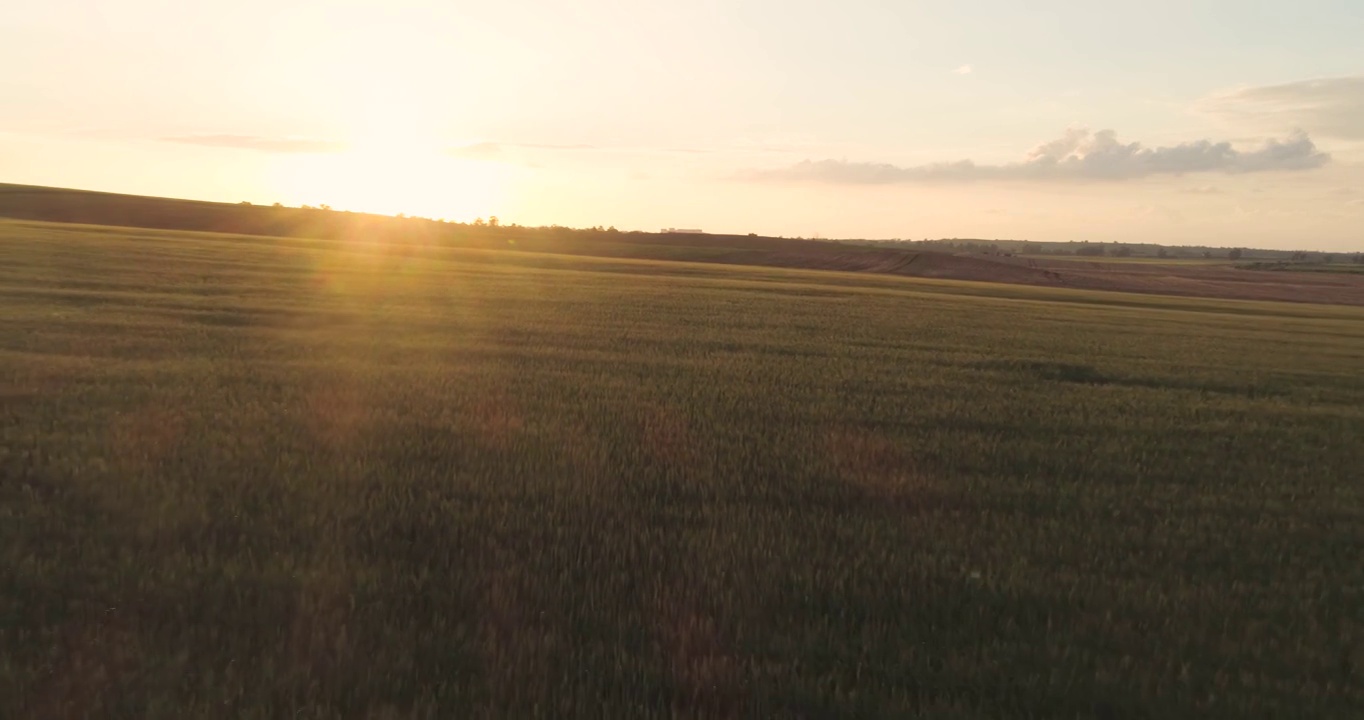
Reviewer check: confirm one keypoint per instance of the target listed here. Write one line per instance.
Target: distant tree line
(323, 222)
(1110, 249)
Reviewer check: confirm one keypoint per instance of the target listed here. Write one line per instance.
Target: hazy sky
(1216, 122)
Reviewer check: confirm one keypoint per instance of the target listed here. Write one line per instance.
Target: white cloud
(1078, 155)
(498, 150)
(1331, 107)
(260, 143)
(963, 70)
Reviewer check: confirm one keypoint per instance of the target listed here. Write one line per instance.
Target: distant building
(683, 231)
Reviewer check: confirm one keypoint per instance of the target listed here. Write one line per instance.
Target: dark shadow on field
(341, 560)
(1083, 374)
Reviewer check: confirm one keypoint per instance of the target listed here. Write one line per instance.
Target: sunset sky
(1202, 122)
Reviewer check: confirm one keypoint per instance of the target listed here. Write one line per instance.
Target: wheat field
(248, 477)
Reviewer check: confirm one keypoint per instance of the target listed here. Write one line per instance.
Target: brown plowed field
(1220, 281)
(1214, 281)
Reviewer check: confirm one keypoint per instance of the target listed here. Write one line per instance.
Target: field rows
(253, 478)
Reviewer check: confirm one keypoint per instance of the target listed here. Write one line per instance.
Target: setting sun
(389, 168)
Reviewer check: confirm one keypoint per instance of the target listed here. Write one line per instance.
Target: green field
(244, 477)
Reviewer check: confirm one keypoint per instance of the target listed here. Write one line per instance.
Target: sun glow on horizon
(368, 78)
(393, 165)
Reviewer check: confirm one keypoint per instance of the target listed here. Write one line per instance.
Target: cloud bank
(262, 144)
(1078, 155)
(1333, 107)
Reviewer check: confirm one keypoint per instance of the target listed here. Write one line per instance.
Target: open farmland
(1188, 277)
(255, 477)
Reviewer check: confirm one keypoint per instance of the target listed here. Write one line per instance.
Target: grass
(243, 477)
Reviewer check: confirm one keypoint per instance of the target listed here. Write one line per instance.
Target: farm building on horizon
(683, 231)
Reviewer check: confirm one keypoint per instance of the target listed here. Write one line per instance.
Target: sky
(1225, 123)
